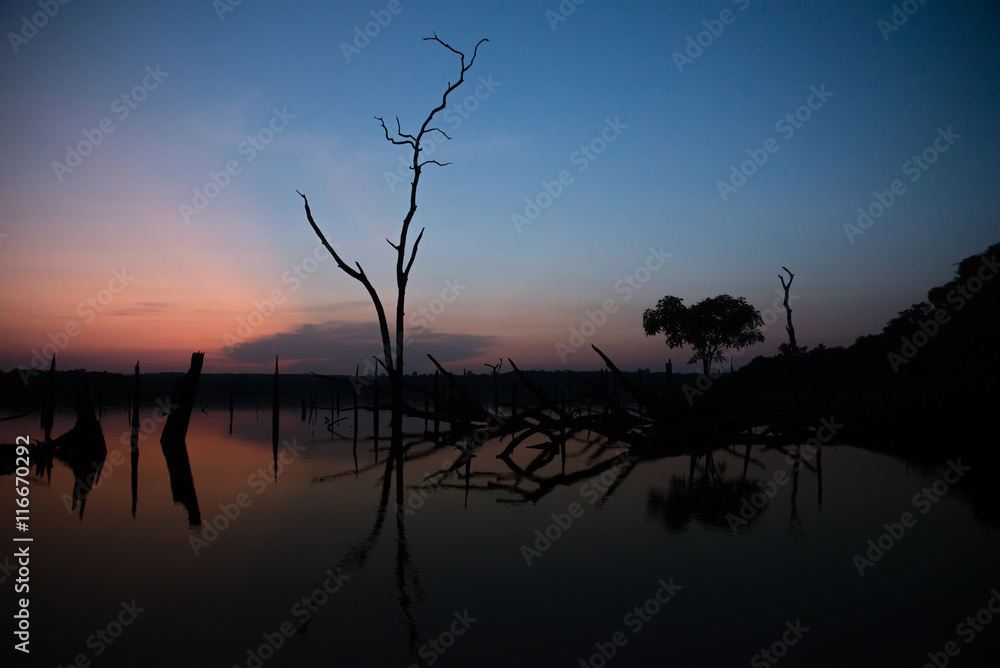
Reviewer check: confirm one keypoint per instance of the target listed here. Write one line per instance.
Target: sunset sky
(117, 114)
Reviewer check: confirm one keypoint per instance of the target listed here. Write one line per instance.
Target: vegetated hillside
(932, 367)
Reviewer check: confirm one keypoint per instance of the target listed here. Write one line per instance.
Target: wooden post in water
(49, 400)
(275, 403)
(513, 395)
(355, 393)
(641, 394)
(437, 407)
(819, 472)
(604, 384)
(230, 410)
(134, 419)
(185, 387)
(427, 401)
(375, 405)
(568, 401)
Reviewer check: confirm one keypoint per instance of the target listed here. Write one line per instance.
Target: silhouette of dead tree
(394, 366)
(794, 349)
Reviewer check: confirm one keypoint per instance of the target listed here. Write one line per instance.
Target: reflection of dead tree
(394, 365)
(406, 573)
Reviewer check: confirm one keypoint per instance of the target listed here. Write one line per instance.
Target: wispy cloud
(145, 308)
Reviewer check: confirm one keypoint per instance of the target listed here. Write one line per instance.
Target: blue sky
(554, 87)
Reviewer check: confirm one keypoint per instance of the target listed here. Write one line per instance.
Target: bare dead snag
(788, 311)
(394, 365)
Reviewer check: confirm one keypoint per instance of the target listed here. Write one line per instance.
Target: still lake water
(449, 584)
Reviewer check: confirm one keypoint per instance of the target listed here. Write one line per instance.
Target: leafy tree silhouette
(710, 326)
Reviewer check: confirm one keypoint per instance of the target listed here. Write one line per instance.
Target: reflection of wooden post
(185, 387)
(230, 410)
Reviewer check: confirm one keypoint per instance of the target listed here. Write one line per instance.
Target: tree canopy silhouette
(710, 326)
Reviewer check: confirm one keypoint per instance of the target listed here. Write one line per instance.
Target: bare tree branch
(399, 131)
(413, 253)
(439, 130)
(406, 142)
(359, 276)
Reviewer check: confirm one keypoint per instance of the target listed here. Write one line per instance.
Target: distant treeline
(115, 389)
(935, 364)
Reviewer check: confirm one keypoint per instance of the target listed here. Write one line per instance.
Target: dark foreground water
(634, 566)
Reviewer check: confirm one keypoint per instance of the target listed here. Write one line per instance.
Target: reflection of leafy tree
(710, 326)
(706, 498)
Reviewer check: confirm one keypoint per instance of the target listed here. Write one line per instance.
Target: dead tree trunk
(794, 349)
(182, 402)
(496, 392)
(394, 362)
